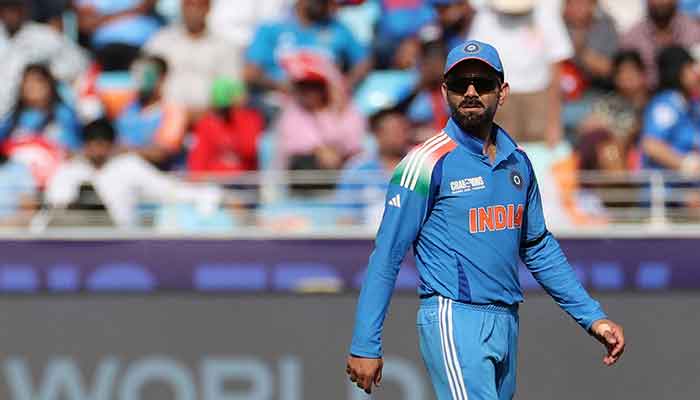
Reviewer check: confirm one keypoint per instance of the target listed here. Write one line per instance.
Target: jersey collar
(505, 145)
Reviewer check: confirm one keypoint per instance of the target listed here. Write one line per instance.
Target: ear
(443, 89)
(503, 93)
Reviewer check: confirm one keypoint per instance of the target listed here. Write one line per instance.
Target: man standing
(196, 58)
(468, 202)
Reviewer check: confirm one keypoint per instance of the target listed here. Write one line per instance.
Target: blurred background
(190, 188)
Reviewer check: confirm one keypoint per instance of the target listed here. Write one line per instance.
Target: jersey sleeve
(541, 254)
(406, 207)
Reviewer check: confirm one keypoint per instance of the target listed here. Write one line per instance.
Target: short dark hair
(671, 61)
(624, 56)
(99, 129)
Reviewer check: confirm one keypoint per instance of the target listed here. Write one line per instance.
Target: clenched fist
(365, 371)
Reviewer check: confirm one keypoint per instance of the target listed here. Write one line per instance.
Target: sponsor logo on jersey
(495, 218)
(467, 184)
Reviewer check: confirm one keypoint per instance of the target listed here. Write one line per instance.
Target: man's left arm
(541, 254)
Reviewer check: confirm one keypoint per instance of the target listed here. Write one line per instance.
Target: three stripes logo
(415, 171)
(395, 201)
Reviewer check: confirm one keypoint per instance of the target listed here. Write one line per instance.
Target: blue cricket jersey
(468, 221)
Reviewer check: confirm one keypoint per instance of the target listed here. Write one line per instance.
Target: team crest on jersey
(516, 179)
(467, 184)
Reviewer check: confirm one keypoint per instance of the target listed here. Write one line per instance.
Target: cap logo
(471, 48)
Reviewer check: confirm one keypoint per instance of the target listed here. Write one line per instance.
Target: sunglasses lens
(482, 85)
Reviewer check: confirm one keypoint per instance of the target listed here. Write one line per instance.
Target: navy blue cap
(474, 50)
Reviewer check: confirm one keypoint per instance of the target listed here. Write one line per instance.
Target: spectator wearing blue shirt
(362, 185)
(671, 126)
(40, 112)
(312, 26)
(151, 126)
(18, 192)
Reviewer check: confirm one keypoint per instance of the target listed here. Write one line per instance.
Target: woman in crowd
(39, 111)
(41, 129)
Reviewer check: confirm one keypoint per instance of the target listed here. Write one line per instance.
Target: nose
(471, 91)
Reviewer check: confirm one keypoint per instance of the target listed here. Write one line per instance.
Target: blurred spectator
(671, 130)
(121, 181)
(18, 193)
(50, 12)
(150, 125)
(106, 88)
(532, 40)
(25, 42)
(41, 128)
(318, 128)
(364, 179)
(454, 17)
(130, 22)
(226, 138)
(40, 111)
(312, 27)
(582, 199)
(664, 26)
(594, 39)
(620, 111)
(428, 110)
(195, 57)
(236, 21)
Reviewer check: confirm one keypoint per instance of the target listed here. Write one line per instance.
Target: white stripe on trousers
(449, 350)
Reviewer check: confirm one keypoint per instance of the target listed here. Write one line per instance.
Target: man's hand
(365, 371)
(612, 337)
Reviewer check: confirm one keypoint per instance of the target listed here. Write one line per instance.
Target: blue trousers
(469, 350)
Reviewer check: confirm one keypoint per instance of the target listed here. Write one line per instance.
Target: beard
(473, 120)
(661, 16)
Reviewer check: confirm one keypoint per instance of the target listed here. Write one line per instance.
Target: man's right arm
(405, 210)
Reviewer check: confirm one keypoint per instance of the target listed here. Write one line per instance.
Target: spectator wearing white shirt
(195, 56)
(23, 42)
(533, 42)
(122, 181)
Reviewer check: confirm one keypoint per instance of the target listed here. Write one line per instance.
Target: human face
(12, 17)
(630, 79)
(311, 95)
(393, 134)
(36, 90)
(98, 151)
(453, 15)
(474, 108)
(661, 12)
(579, 13)
(194, 14)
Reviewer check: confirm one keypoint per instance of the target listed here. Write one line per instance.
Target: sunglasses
(482, 85)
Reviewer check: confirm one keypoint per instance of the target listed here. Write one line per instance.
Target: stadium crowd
(130, 101)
